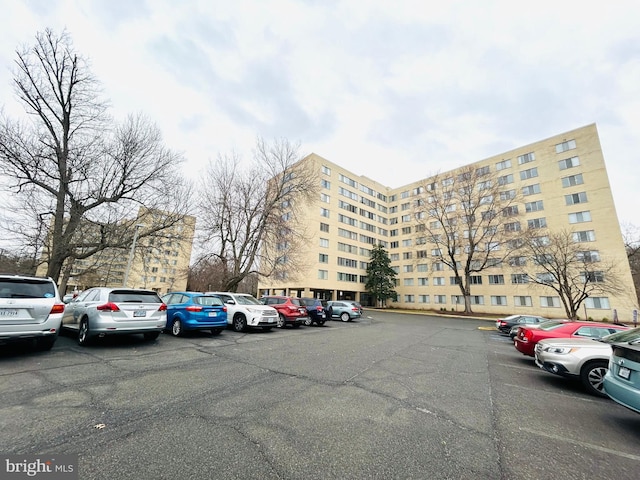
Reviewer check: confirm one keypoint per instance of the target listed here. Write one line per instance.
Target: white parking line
(583, 444)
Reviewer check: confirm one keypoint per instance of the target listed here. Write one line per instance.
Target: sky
(394, 90)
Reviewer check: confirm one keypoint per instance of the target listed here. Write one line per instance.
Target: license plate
(8, 312)
(213, 314)
(624, 372)
(139, 313)
(271, 320)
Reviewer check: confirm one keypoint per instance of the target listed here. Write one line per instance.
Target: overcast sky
(395, 90)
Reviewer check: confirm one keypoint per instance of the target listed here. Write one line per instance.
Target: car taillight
(108, 307)
(163, 308)
(319, 309)
(57, 308)
(293, 308)
(193, 308)
(355, 309)
(224, 309)
(502, 323)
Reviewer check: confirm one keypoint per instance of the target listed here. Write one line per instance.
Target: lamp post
(131, 254)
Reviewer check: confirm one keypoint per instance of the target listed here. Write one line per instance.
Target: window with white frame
(394, 257)
(423, 281)
(575, 198)
(422, 267)
(592, 276)
(409, 298)
(496, 279)
(566, 145)
(588, 256)
(323, 274)
(483, 171)
(597, 302)
(437, 266)
(498, 300)
(324, 227)
(569, 163)
(529, 173)
(534, 206)
(408, 282)
(549, 302)
(572, 180)
(323, 258)
(503, 164)
(326, 170)
(507, 195)
(324, 212)
(531, 189)
(522, 301)
(324, 183)
(324, 242)
(512, 227)
(537, 223)
(438, 281)
(580, 217)
(519, 278)
(526, 158)
(407, 268)
(505, 179)
(325, 198)
(440, 299)
(424, 299)
(407, 255)
(584, 236)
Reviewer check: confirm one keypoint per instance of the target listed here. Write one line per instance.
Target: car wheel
(592, 377)
(267, 329)
(344, 316)
(281, 321)
(176, 328)
(308, 321)
(239, 323)
(216, 331)
(151, 336)
(296, 325)
(83, 332)
(320, 323)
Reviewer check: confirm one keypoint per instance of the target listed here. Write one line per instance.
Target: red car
(529, 335)
(291, 310)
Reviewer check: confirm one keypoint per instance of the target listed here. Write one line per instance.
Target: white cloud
(416, 85)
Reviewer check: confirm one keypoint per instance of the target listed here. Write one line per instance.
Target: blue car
(622, 381)
(194, 311)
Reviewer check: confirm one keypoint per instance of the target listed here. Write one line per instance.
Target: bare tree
(73, 168)
(567, 266)
(473, 221)
(247, 212)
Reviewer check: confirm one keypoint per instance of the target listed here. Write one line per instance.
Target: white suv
(30, 308)
(243, 311)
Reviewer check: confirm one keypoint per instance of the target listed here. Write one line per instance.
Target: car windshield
(629, 336)
(26, 288)
(129, 296)
(247, 300)
(208, 300)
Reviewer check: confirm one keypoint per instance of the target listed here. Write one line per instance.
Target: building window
(325, 184)
(422, 267)
(394, 257)
(518, 261)
(407, 255)
(347, 277)
(438, 281)
(549, 302)
(580, 217)
(510, 211)
(526, 158)
(325, 198)
(407, 268)
(324, 227)
(483, 171)
(507, 195)
(569, 163)
(593, 277)
(576, 198)
(512, 227)
(519, 278)
(597, 302)
(531, 189)
(537, 223)
(409, 298)
(324, 242)
(424, 299)
(572, 180)
(503, 164)
(584, 236)
(475, 279)
(323, 258)
(323, 274)
(588, 256)
(324, 212)
(326, 170)
(564, 146)
(496, 279)
(505, 179)
(440, 299)
(527, 174)
(408, 282)
(522, 301)
(498, 300)
(423, 281)
(533, 206)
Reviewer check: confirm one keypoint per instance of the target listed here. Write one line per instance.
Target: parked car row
(31, 309)
(604, 357)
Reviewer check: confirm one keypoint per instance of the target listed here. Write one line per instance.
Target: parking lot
(389, 396)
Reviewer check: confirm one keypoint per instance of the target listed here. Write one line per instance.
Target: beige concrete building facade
(564, 186)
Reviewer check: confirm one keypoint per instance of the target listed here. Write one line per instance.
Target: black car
(504, 324)
(317, 310)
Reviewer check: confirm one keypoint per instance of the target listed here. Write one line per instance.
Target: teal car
(622, 381)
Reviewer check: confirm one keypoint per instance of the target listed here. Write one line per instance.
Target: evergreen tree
(380, 276)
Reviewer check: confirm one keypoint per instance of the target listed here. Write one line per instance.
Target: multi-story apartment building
(157, 262)
(561, 183)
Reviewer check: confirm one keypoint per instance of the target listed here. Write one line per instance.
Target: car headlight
(559, 350)
(254, 310)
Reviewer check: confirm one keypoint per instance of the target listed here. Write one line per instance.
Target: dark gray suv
(30, 309)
